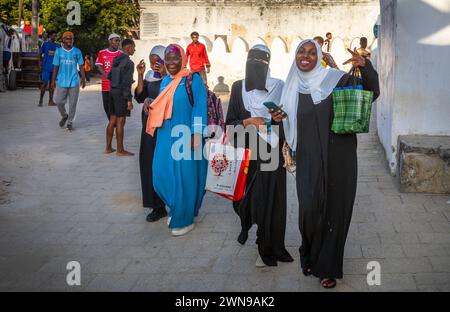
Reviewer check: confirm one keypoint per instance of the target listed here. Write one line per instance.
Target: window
(150, 25)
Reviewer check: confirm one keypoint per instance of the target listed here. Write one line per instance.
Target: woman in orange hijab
(179, 168)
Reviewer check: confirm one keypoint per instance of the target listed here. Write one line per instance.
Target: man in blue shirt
(66, 80)
(48, 50)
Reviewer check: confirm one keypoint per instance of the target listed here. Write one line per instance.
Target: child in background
(87, 67)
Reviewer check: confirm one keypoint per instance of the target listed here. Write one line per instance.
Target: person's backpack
(213, 103)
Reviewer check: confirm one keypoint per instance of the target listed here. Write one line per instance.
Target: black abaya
(326, 181)
(265, 202)
(149, 197)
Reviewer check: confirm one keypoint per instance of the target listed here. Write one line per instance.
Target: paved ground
(62, 199)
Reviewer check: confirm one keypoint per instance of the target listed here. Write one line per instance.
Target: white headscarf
(319, 83)
(158, 50)
(254, 99)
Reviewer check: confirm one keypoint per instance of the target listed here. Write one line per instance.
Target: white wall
(280, 26)
(415, 43)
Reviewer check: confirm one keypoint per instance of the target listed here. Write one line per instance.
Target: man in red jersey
(198, 57)
(104, 63)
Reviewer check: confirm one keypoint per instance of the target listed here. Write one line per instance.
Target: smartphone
(156, 74)
(275, 107)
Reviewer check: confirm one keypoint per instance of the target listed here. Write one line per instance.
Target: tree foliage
(99, 18)
(9, 11)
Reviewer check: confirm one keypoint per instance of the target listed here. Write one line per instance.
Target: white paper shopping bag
(224, 163)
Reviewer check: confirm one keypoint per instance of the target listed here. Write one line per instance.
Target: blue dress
(179, 174)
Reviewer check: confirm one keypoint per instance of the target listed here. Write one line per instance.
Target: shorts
(106, 97)
(6, 56)
(46, 75)
(118, 105)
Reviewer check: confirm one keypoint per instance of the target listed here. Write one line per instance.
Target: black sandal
(328, 283)
(306, 272)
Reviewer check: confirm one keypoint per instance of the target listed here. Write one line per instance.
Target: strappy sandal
(328, 283)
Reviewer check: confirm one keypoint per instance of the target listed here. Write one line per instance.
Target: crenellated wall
(229, 28)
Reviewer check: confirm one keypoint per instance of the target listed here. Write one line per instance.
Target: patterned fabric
(364, 52)
(352, 109)
(329, 60)
(215, 111)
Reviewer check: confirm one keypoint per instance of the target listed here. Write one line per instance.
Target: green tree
(99, 18)
(9, 11)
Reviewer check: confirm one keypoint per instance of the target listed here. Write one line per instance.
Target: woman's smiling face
(306, 57)
(173, 63)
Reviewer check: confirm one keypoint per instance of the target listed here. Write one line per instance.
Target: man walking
(66, 80)
(48, 49)
(104, 63)
(198, 57)
(121, 77)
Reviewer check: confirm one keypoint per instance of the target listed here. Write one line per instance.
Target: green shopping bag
(352, 109)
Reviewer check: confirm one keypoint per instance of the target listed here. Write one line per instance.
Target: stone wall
(229, 28)
(425, 164)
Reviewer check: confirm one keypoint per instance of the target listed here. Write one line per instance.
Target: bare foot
(109, 150)
(124, 153)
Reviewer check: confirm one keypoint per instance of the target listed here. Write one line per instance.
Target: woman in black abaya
(326, 162)
(146, 91)
(265, 201)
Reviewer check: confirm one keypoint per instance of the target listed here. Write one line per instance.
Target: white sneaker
(260, 263)
(168, 220)
(182, 231)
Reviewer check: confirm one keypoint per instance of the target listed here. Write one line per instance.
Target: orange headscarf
(162, 106)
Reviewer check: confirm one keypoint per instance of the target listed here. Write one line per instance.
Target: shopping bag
(352, 109)
(227, 170)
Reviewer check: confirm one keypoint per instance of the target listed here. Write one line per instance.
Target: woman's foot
(285, 257)
(242, 238)
(328, 283)
(156, 214)
(182, 231)
(109, 150)
(260, 263)
(306, 271)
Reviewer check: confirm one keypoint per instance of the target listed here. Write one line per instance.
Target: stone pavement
(62, 199)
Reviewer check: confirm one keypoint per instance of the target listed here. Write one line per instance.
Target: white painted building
(229, 28)
(413, 52)
(414, 72)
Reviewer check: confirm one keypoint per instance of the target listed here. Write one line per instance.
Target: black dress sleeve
(234, 116)
(140, 97)
(369, 80)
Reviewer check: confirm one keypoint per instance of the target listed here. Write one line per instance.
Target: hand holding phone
(271, 106)
(278, 114)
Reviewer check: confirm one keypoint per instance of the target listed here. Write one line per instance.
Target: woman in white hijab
(326, 162)
(146, 91)
(265, 200)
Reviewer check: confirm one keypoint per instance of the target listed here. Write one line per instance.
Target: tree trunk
(34, 25)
